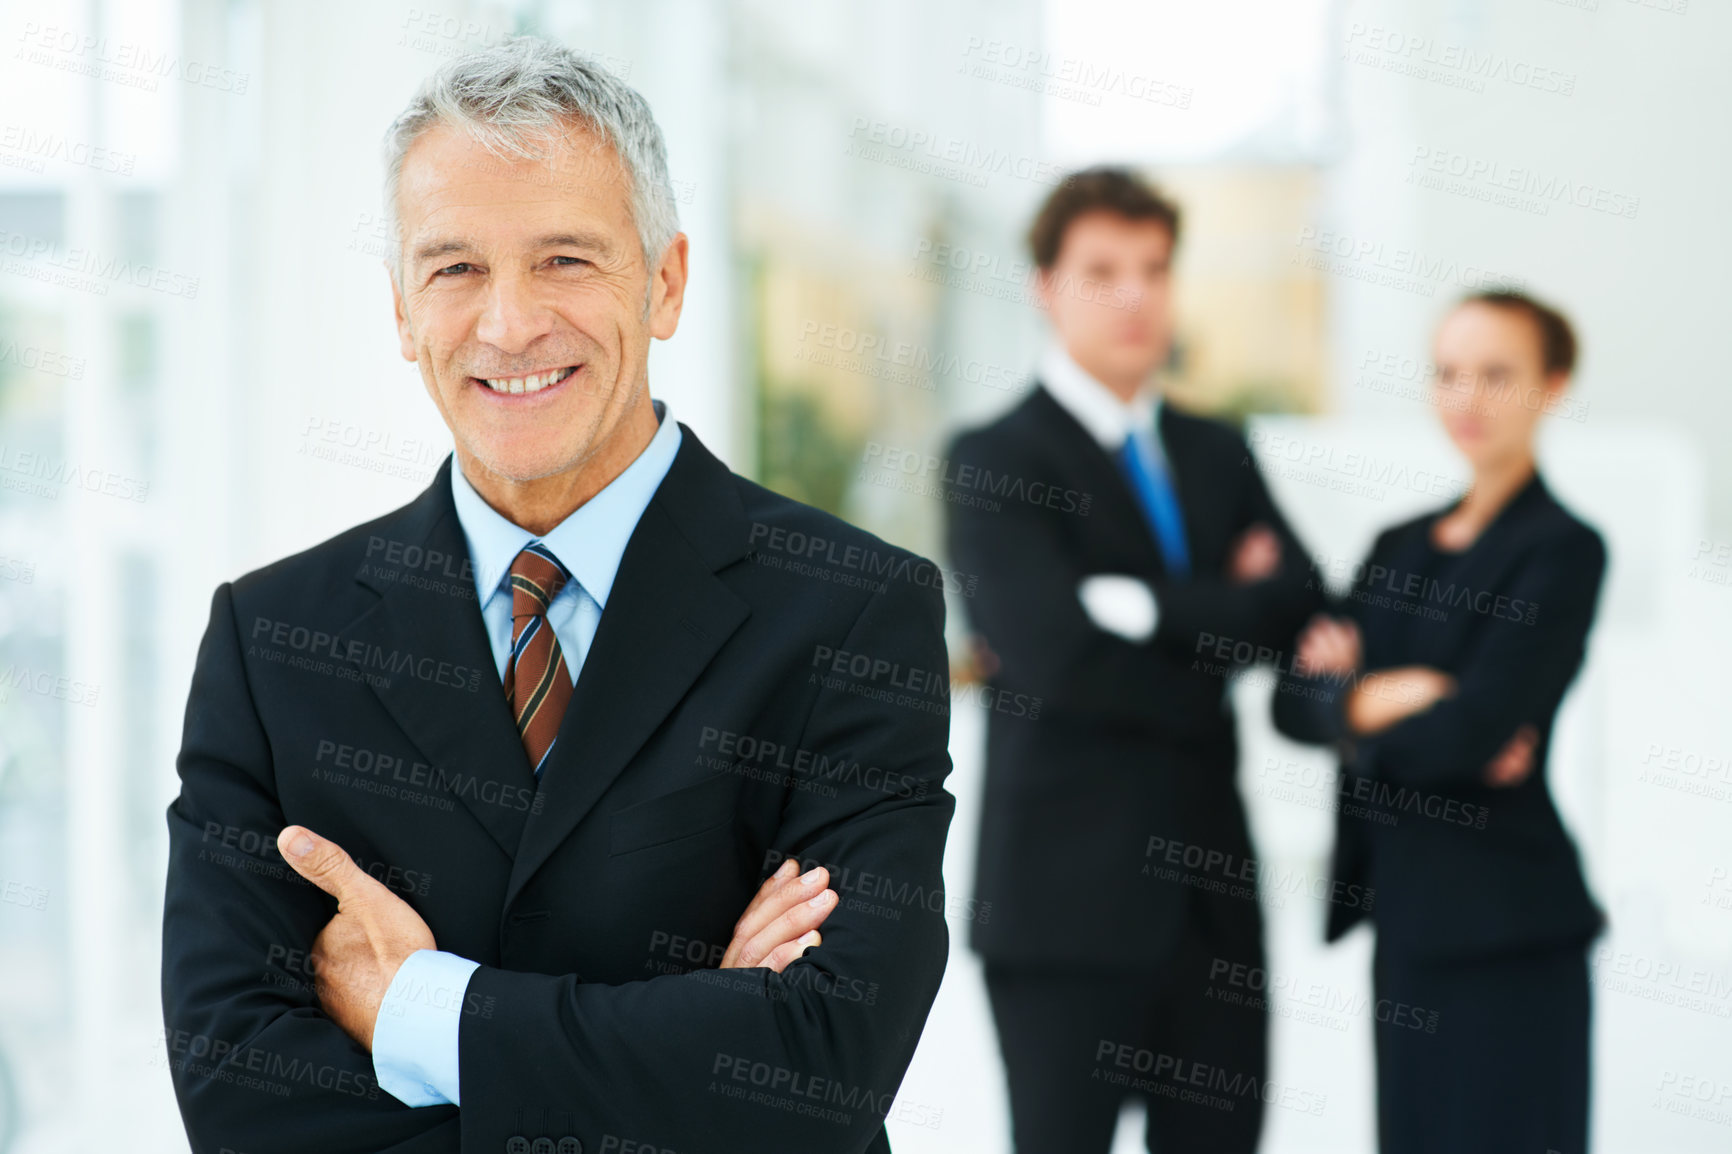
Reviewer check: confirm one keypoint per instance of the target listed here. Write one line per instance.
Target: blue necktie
(1154, 489)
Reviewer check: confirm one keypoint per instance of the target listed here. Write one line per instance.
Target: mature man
(1113, 844)
(532, 743)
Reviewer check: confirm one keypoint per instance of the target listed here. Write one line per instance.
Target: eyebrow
(440, 248)
(581, 239)
(584, 239)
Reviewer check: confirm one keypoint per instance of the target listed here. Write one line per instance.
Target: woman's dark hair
(1115, 190)
(1557, 338)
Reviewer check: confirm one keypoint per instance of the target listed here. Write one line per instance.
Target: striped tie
(536, 680)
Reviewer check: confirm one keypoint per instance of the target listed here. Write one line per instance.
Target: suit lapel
(1095, 470)
(466, 734)
(667, 617)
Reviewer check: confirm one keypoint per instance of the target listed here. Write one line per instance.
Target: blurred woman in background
(1439, 679)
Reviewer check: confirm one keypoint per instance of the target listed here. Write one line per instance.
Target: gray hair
(510, 95)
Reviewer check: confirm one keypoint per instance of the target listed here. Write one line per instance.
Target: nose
(512, 318)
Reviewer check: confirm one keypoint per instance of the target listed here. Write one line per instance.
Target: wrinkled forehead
(448, 165)
(455, 188)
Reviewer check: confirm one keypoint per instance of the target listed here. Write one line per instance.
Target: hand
(983, 660)
(1119, 604)
(1328, 645)
(360, 950)
(1256, 555)
(1512, 764)
(782, 921)
(1390, 695)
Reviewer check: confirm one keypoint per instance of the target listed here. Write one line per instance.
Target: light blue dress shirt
(415, 1055)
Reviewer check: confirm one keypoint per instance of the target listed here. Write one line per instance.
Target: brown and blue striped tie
(537, 683)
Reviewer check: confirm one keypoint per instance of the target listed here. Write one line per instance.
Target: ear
(668, 290)
(405, 330)
(1556, 383)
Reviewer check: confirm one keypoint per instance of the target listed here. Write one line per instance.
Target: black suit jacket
(1134, 741)
(722, 720)
(1462, 869)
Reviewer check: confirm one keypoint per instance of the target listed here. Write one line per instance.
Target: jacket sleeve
(1027, 608)
(803, 1062)
(1267, 614)
(1313, 709)
(256, 1065)
(1533, 642)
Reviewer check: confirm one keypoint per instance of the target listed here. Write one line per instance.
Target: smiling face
(1108, 294)
(1491, 385)
(523, 301)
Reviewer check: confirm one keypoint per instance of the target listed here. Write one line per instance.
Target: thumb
(322, 862)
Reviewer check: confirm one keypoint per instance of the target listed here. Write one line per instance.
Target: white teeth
(532, 384)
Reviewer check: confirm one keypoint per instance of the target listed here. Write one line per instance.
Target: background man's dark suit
(1135, 740)
(351, 689)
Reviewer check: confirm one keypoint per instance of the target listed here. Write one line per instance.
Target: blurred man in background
(1127, 551)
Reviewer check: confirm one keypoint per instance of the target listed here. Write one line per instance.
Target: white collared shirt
(590, 543)
(1108, 418)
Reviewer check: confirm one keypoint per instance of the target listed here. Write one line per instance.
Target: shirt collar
(1097, 408)
(589, 542)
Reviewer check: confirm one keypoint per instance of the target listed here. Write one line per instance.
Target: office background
(199, 374)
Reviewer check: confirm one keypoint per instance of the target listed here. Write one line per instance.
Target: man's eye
(569, 261)
(454, 269)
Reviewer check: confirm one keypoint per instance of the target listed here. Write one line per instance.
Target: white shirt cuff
(415, 1036)
(1120, 604)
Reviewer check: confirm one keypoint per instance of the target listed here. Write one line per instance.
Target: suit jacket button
(517, 1144)
(542, 1146)
(570, 1146)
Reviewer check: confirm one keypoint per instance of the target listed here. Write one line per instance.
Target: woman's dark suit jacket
(1461, 869)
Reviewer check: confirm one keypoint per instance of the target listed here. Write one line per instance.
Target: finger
(1514, 761)
(1522, 748)
(788, 895)
(1321, 646)
(1332, 634)
(1507, 773)
(783, 954)
(771, 904)
(323, 862)
(791, 926)
(988, 660)
(771, 886)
